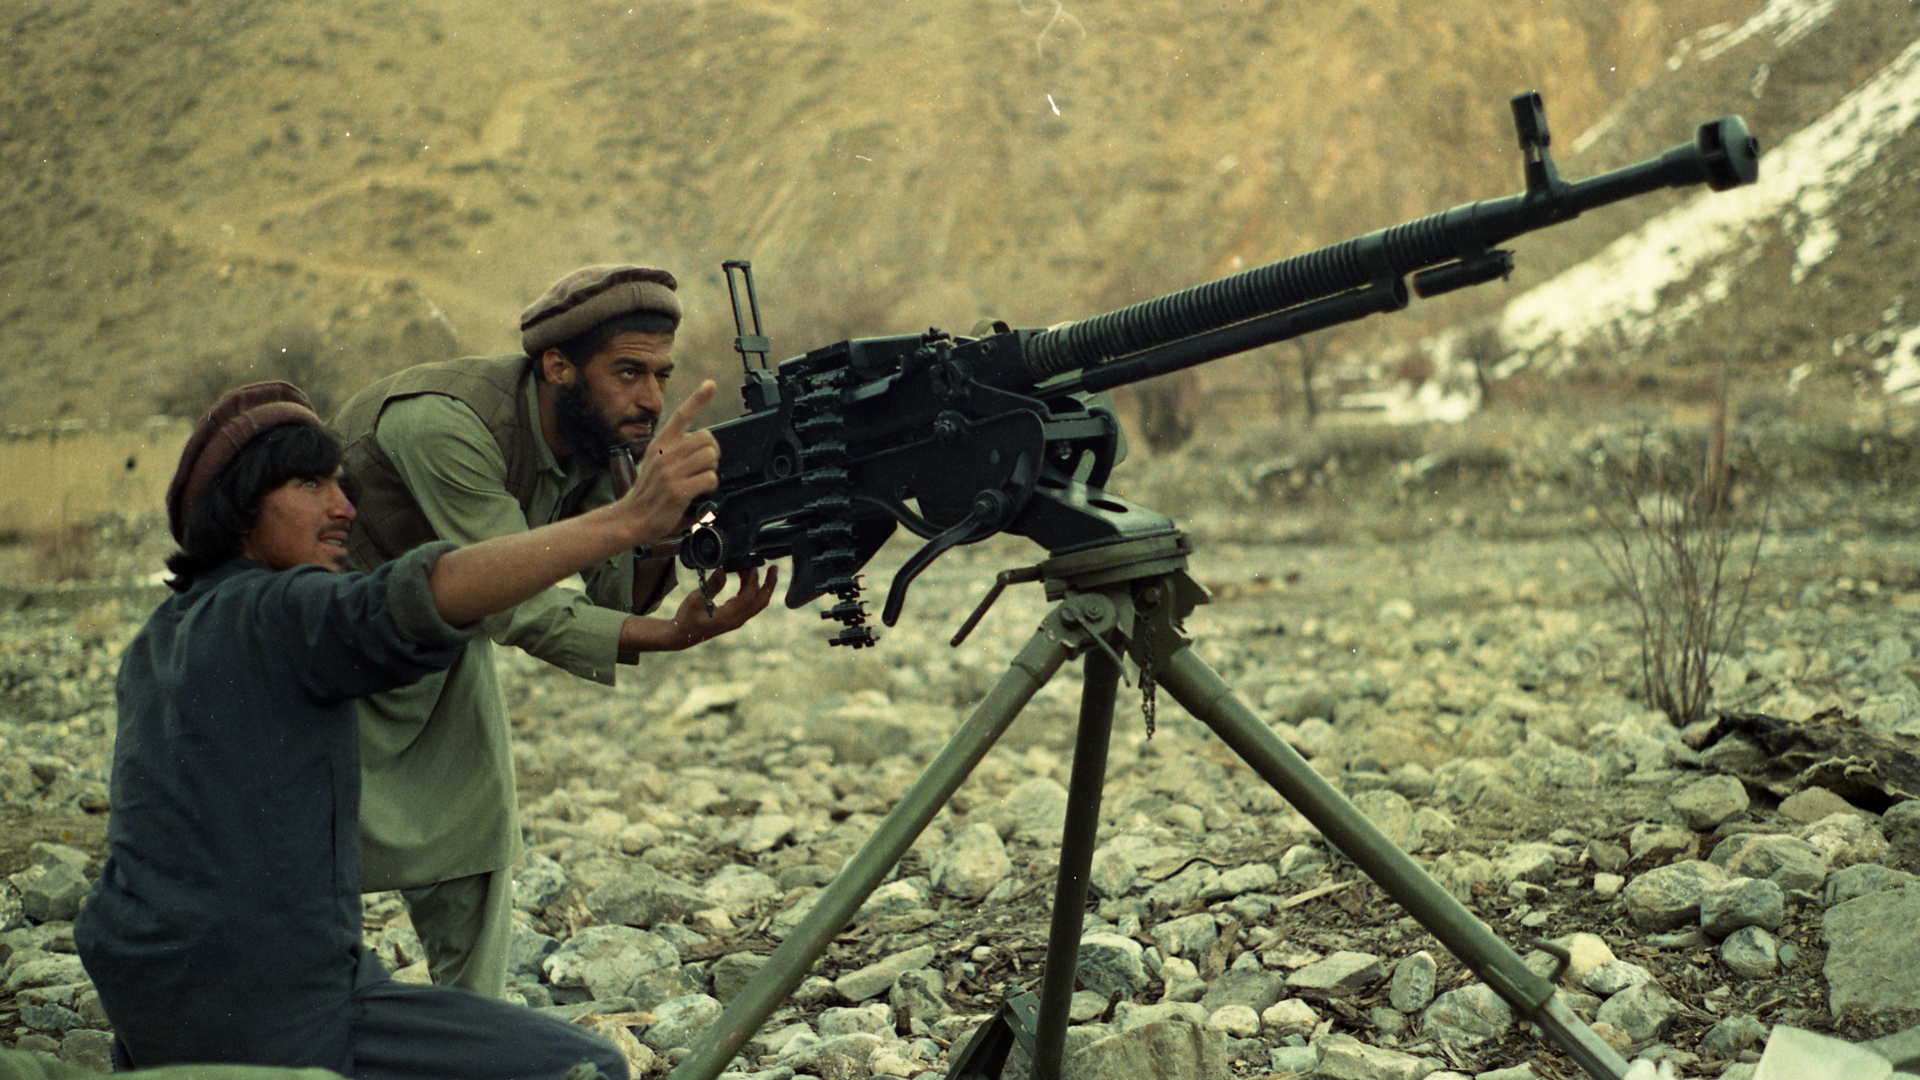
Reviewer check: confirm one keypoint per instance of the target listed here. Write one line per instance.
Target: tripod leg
(835, 905)
(1209, 698)
(1100, 685)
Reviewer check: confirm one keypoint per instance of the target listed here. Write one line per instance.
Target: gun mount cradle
(958, 439)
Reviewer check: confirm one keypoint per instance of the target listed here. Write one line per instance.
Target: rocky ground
(1472, 685)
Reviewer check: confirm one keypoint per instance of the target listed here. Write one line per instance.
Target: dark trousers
(408, 1032)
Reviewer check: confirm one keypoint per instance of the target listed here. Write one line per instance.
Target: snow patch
(1619, 291)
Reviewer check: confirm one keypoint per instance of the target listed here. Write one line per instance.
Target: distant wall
(71, 474)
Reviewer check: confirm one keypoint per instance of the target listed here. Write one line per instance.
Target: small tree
(1669, 543)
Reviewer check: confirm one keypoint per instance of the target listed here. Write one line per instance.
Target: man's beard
(585, 431)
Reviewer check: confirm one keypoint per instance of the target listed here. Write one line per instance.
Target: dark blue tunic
(226, 924)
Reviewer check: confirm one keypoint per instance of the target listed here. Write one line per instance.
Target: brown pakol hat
(591, 295)
(230, 424)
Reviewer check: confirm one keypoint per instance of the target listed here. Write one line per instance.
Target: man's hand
(679, 466)
(692, 625)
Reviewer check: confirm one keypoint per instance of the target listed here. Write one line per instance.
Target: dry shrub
(1671, 542)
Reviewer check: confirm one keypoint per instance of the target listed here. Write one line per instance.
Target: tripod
(1130, 596)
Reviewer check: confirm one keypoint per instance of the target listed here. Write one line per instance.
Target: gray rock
(679, 1021)
(1751, 953)
(1128, 1015)
(1659, 843)
(1181, 980)
(1845, 839)
(1468, 1016)
(1301, 861)
(1111, 964)
(1612, 976)
(1811, 804)
(1793, 1054)
(55, 1019)
(1168, 1050)
(45, 969)
(1251, 878)
(539, 882)
(1342, 971)
(1732, 1035)
(1343, 1057)
(1289, 1017)
(973, 862)
(1188, 935)
(874, 1019)
(1238, 1021)
(1787, 862)
(1393, 815)
(54, 895)
(921, 994)
(1294, 1060)
(1709, 802)
(877, 978)
(1844, 885)
(1606, 855)
(1085, 1005)
(1642, 1013)
(1901, 824)
(766, 831)
(843, 1057)
(1868, 969)
(527, 949)
(13, 914)
(731, 972)
(643, 896)
(1459, 871)
(1531, 862)
(1255, 987)
(1413, 978)
(1197, 884)
(1035, 809)
(740, 890)
(1726, 906)
(609, 961)
(1413, 780)
(1668, 896)
(88, 1049)
(1111, 873)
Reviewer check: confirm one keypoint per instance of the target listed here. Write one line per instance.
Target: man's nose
(650, 398)
(341, 507)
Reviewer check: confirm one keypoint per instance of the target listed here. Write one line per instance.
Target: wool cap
(590, 296)
(230, 424)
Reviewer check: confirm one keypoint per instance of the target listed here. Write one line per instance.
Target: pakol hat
(590, 296)
(230, 424)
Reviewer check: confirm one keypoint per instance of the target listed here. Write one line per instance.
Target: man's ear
(556, 368)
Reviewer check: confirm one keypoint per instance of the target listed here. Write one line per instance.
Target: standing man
(470, 449)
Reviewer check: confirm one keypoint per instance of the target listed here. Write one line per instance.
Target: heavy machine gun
(957, 438)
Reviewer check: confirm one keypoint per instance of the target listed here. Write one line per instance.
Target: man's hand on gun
(680, 466)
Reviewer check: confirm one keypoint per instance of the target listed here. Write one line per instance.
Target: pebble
(1413, 981)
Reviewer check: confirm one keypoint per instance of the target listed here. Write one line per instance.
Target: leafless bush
(1671, 542)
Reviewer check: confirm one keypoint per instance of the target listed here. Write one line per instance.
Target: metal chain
(1148, 702)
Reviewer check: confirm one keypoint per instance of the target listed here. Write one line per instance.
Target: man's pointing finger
(682, 417)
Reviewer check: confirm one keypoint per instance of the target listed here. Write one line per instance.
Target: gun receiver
(958, 438)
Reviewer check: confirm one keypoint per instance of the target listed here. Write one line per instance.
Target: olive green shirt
(437, 798)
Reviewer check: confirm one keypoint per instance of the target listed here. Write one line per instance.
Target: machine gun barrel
(1444, 251)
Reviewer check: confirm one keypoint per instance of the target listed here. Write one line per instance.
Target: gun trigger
(1000, 581)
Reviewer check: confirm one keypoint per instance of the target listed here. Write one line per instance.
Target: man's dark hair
(215, 527)
(582, 347)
